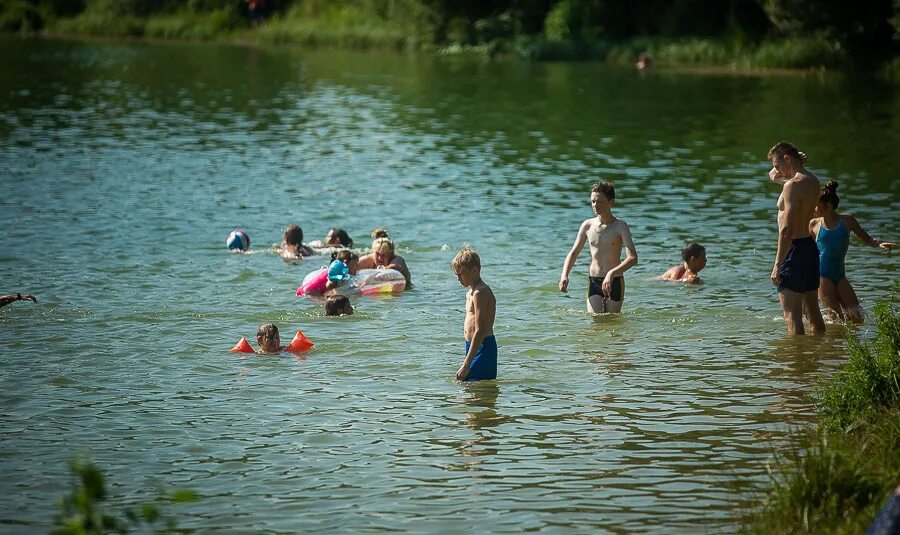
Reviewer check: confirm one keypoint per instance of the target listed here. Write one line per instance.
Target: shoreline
(685, 54)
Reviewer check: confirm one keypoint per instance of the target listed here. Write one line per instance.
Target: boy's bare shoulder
(483, 293)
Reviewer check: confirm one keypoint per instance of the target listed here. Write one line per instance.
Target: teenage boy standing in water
(796, 270)
(481, 307)
(607, 235)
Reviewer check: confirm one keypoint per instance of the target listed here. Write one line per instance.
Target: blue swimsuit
(832, 246)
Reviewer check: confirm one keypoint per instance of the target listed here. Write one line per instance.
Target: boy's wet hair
(342, 236)
(267, 331)
(465, 259)
(335, 305)
(606, 188)
(344, 255)
(829, 194)
(383, 243)
(293, 235)
(692, 250)
(783, 147)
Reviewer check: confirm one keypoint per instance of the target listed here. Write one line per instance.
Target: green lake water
(124, 166)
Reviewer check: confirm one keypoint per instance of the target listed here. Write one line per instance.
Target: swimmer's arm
(400, 265)
(857, 229)
(785, 231)
(670, 274)
(776, 177)
(366, 262)
(631, 259)
(814, 226)
(573, 255)
(7, 299)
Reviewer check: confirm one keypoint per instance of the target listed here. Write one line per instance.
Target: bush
(870, 381)
(20, 16)
(799, 52)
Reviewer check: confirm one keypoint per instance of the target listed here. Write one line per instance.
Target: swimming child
(338, 305)
(694, 256)
(268, 339)
(238, 241)
(7, 299)
(607, 235)
(481, 306)
(344, 265)
(832, 233)
(382, 256)
(336, 237)
(293, 247)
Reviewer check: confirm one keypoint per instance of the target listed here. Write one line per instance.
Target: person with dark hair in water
(832, 234)
(7, 299)
(796, 269)
(293, 247)
(694, 256)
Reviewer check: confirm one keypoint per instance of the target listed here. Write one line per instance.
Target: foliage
(83, 513)
(835, 479)
(871, 378)
(766, 33)
(826, 482)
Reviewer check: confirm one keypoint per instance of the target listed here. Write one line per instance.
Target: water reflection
(481, 417)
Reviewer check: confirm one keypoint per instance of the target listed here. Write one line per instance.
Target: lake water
(124, 166)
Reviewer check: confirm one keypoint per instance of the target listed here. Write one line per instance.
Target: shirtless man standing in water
(607, 235)
(796, 270)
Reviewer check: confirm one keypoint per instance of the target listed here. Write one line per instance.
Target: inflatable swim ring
(379, 281)
(314, 282)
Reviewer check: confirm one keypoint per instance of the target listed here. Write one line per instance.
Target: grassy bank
(348, 26)
(835, 479)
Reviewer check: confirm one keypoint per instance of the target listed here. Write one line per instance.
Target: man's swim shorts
(484, 364)
(800, 270)
(595, 287)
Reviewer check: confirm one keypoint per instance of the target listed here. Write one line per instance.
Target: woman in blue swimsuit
(832, 233)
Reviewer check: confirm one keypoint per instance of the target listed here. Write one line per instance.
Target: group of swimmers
(809, 263)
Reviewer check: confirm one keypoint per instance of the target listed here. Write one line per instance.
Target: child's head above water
(348, 257)
(694, 256)
(338, 305)
(338, 237)
(293, 235)
(268, 338)
(237, 240)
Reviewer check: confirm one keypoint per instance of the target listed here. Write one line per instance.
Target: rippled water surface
(124, 166)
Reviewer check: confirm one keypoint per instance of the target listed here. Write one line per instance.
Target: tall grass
(834, 479)
(870, 381)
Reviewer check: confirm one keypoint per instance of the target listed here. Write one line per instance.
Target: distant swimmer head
(293, 235)
(238, 240)
(268, 338)
(829, 198)
(338, 237)
(383, 249)
(694, 256)
(338, 305)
